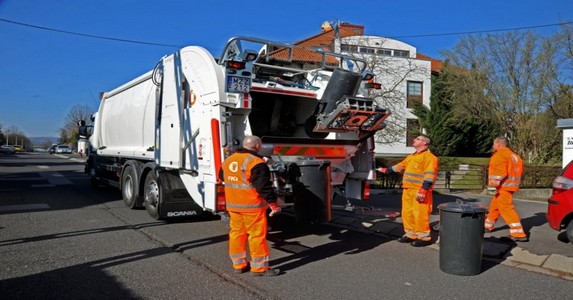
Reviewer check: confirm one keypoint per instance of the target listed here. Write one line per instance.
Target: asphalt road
(543, 240)
(60, 239)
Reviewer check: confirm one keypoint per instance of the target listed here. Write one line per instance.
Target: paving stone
(560, 263)
(524, 256)
(537, 269)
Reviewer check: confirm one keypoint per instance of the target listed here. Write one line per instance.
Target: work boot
(519, 239)
(269, 272)
(242, 270)
(421, 243)
(405, 239)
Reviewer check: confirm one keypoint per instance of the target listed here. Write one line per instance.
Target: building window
(414, 94)
(349, 48)
(386, 52)
(401, 53)
(367, 50)
(412, 131)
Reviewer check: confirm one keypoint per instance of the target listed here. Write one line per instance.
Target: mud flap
(175, 200)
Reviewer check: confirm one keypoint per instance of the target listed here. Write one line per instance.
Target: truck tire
(152, 195)
(129, 187)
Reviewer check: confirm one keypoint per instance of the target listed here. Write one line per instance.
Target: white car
(63, 149)
(7, 149)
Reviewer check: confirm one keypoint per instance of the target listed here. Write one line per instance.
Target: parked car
(63, 149)
(18, 148)
(52, 149)
(560, 203)
(8, 149)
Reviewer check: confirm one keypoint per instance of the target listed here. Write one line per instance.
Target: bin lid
(312, 163)
(463, 207)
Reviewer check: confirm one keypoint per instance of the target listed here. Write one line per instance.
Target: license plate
(238, 84)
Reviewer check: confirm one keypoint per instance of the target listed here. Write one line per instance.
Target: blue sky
(44, 73)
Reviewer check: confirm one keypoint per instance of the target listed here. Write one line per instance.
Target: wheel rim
(128, 190)
(152, 194)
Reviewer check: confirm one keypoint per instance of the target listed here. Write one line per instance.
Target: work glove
(281, 202)
(382, 170)
(491, 190)
(421, 195)
(275, 209)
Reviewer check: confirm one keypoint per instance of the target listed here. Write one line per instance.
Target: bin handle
(466, 208)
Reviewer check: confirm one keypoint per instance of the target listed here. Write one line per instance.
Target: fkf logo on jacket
(233, 167)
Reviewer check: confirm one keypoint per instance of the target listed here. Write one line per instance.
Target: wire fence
(474, 177)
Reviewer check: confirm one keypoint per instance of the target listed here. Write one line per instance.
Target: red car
(560, 207)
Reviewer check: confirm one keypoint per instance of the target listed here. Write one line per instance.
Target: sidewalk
(545, 253)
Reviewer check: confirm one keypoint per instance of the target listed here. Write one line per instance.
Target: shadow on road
(343, 241)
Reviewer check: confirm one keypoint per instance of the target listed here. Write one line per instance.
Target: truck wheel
(570, 231)
(129, 187)
(152, 195)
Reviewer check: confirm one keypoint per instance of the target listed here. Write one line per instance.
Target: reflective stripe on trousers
(489, 224)
(416, 215)
(252, 228)
(502, 204)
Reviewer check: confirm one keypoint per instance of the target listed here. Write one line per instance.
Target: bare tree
(392, 72)
(508, 79)
(69, 133)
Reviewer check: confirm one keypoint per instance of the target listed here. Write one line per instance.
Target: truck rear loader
(162, 137)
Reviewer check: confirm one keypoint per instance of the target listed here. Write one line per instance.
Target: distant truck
(162, 137)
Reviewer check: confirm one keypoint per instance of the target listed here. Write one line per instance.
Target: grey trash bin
(312, 192)
(461, 237)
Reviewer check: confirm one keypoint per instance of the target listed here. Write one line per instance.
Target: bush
(534, 176)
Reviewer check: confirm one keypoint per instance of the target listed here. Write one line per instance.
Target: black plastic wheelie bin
(461, 237)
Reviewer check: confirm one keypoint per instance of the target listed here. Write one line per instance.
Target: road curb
(502, 253)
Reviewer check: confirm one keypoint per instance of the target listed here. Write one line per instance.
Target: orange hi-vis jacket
(240, 194)
(418, 167)
(505, 170)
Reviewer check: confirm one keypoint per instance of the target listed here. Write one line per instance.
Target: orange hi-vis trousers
(251, 227)
(416, 215)
(502, 204)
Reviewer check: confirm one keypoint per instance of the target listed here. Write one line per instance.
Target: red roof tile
(437, 64)
(323, 40)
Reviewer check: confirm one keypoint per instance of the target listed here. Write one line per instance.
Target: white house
(405, 80)
(404, 73)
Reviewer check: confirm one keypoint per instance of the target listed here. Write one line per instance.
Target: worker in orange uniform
(504, 175)
(420, 172)
(249, 193)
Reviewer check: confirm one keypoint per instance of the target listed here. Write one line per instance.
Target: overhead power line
(90, 35)
(481, 31)
(179, 46)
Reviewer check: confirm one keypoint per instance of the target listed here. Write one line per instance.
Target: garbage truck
(161, 138)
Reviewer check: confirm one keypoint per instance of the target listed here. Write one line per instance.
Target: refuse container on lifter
(461, 237)
(311, 190)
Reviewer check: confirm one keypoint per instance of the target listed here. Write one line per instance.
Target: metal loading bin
(461, 237)
(312, 191)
